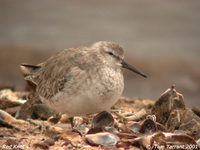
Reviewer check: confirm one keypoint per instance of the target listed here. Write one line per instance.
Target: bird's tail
(27, 69)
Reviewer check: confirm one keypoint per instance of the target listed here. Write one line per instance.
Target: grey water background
(161, 38)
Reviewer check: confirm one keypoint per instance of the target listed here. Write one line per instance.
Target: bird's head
(114, 54)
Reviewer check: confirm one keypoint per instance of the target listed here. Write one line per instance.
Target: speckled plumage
(81, 80)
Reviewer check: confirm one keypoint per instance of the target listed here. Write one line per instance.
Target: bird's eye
(110, 53)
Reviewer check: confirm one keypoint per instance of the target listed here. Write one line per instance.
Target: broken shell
(152, 117)
(162, 139)
(190, 123)
(102, 138)
(135, 127)
(63, 118)
(180, 141)
(8, 99)
(120, 126)
(82, 128)
(141, 141)
(11, 142)
(102, 119)
(148, 127)
(189, 114)
(53, 131)
(192, 128)
(196, 110)
(12, 110)
(49, 141)
(168, 101)
(111, 129)
(137, 116)
(185, 120)
(179, 138)
(198, 142)
(55, 118)
(161, 127)
(174, 120)
(77, 121)
(40, 145)
(94, 130)
(180, 132)
(10, 119)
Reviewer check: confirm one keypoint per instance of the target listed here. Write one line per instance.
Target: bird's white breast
(97, 92)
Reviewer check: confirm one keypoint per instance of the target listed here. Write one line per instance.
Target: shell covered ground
(26, 123)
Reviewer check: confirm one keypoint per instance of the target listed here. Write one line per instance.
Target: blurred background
(160, 38)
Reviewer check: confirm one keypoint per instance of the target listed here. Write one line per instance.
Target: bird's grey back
(55, 71)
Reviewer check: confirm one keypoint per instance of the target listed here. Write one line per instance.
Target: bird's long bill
(130, 67)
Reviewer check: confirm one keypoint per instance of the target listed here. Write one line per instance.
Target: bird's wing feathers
(57, 71)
